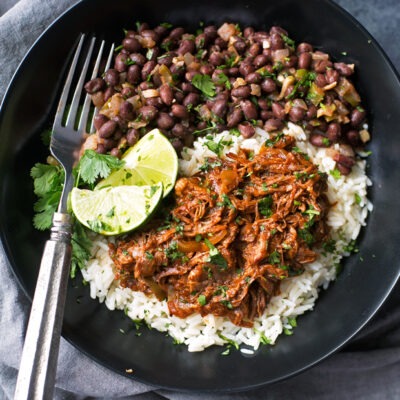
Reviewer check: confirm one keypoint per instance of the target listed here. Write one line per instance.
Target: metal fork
(38, 366)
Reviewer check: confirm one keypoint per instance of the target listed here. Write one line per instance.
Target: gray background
(367, 368)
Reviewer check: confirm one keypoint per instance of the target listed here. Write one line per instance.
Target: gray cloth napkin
(368, 368)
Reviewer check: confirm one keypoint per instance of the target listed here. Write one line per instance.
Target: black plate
(340, 312)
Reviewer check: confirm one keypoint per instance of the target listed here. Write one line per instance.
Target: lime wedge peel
(115, 210)
(151, 160)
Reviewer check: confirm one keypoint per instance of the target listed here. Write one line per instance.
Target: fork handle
(38, 367)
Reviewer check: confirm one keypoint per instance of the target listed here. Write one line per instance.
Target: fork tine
(109, 59)
(78, 90)
(87, 103)
(64, 95)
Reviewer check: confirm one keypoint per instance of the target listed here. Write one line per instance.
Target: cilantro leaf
(48, 183)
(215, 257)
(205, 84)
(224, 80)
(264, 206)
(81, 245)
(335, 173)
(93, 166)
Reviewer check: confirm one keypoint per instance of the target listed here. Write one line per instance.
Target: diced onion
(365, 136)
(226, 31)
(286, 83)
(148, 93)
(319, 55)
(280, 55)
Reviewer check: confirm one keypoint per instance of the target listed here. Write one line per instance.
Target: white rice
(298, 294)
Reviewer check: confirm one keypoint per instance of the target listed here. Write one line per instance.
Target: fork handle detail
(36, 377)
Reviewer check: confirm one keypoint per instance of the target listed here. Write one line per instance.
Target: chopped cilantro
(292, 322)
(264, 206)
(224, 80)
(202, 300)
(215, 257)
(357, 198)
(205, 84)
(335, 173)
(149, 255)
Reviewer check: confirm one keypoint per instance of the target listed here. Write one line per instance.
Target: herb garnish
(215, 257)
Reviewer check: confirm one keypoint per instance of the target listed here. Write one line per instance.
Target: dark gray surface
(368, 368)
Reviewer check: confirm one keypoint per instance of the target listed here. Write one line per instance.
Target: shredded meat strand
(236, 230)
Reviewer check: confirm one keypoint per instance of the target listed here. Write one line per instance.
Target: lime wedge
(151, 160)
(115, 210)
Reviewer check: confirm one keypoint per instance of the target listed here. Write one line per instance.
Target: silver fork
(38, 365)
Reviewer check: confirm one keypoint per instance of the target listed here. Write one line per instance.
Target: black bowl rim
(3, 241)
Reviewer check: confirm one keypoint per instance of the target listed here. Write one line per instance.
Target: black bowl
(340, 312)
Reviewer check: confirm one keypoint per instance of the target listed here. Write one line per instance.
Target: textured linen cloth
(367, 368)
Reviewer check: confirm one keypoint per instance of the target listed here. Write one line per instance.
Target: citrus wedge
(150, 161)
(115, 210)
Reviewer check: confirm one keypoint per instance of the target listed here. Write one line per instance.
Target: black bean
(353, 137)
(161, 31)
(155, 102)
(246, 68)
(126, 110)
(246, 129)
(165, 121)
(311, 112)
(221, 43)
(304, 60)
(134, 74)
(344, 160)
(357, 117)
(331, 76)
(115, 152)
(145, 85)
(138, 59)
(147, 68)
(253, 77)
(277, 41)
(304, 48)
(143, 26)
(234, 117)
(166, 94)
(220, 108)
(117, 135)
(290, 62)
(343, 69)
(320, 80)
(109, 143)
(148, 113)
(188, 87)
(216, 59)
(241, 91)
(132, 136)
(263, 103)
(249, 31)
(121, 62)
(207, 69)
(131, 44)
(201, 41)
(179, 96)
(201, 125)
(101, 149)
(278, 111)
(127, 92)
(343, 169)
(176, 33)
(319, 141)
(130, 34)
(186, 46)
(321, 66)
(148, 33)
(268, 85)
(122, 124)
(179, 130)
(266, 114)
(165, 59)
(296, 114)
(249, 109)
(234, 71)
(260, 36)
(273, 125)
(239, 45)
(278, 30)
(211, 32)
(109, 92)
(95, 85)
(255, 49)
(107, 129)
(177, 144)
(99, 121)
(179, 111)
(191, 98)
(333, 132)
